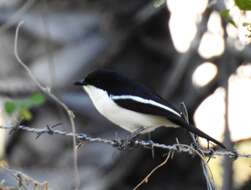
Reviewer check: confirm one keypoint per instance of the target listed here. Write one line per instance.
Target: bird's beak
(80, 83)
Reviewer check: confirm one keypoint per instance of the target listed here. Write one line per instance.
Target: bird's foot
(125, 144)
(136, 133)
(129, 141)
(195, 145)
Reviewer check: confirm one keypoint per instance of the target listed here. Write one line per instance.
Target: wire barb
(118, 143)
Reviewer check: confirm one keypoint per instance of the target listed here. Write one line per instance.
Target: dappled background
(193, 51)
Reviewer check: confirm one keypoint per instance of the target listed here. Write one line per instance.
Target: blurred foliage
(244, 5)
(23, 106)
(5, 187)
(241, 167)
(8, 188)
(158, 3)
(227, 17)
(248, 28)
(3, 163)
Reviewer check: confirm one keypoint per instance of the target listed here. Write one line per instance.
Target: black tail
(198, 132)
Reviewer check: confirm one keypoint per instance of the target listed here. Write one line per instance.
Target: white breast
(127, 119)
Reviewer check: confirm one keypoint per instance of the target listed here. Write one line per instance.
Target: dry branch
(205, 168)
(146, 179)
(46, 90)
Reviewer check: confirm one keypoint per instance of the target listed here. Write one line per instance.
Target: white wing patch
(145, 101)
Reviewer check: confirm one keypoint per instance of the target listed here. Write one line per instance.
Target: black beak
(80, 83)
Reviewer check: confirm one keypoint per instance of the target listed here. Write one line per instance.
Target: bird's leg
(150, 140)
(195, 143)
(136, 133)
(129, 141)
(149, 137)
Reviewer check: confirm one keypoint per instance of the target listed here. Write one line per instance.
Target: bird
(132, 106)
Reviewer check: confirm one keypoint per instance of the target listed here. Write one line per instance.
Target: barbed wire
(122, 144)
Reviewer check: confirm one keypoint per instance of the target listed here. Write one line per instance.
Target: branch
(146, 179)
(205, 168)
(48, 92)
(119, 143)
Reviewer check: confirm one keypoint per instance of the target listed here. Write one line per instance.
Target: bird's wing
(152, 107)
(148, 106)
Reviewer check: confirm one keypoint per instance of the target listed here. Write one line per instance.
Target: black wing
(130, 103)
(122, 89)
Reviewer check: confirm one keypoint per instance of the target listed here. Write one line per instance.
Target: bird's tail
(198, 132)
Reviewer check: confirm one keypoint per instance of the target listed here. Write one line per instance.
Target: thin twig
(47, 91)
(205, 168)
(206, 171)
(146, 179)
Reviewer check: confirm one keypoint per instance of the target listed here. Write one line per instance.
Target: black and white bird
(132, 106)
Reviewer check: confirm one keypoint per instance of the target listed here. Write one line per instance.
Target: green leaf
(25, 114)
(225, 14)
(233, 23)
(9, 107)
(34, 100)
(37, 99)
(23, 106)
(244, 5)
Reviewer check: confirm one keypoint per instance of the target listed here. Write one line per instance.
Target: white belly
(127, 119)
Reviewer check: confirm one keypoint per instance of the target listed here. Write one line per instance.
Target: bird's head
(102, 79)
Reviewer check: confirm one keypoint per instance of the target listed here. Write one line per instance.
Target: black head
(115, 84)
(93, 78)
(105, 79)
